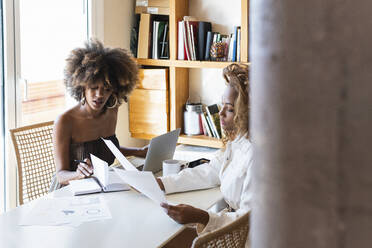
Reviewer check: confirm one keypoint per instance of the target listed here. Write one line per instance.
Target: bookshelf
(179, 71)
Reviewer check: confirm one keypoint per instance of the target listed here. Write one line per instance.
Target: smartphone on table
(197, 162)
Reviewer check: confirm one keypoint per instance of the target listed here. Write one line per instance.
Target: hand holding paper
(145, 182)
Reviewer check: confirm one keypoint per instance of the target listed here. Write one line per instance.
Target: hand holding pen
(84, 168)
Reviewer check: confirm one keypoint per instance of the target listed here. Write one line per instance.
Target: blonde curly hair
(96, 63)
(237, 77)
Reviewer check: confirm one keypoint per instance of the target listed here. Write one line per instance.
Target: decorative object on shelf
(218, 51)
(192, 119)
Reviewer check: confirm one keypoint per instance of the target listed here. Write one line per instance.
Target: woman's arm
(61, 140)
(134, 151)
(202, 177)
(186, 214)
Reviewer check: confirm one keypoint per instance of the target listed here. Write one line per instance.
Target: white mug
(171, 166)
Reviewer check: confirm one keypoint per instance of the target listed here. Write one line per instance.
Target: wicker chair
(33, 147)
(233, 235)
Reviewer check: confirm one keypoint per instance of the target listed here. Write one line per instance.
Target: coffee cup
(171, 166)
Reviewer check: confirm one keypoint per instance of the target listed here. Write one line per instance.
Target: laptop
(160, 148)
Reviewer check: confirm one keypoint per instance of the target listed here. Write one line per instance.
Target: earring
(82, 101)
(115, 103)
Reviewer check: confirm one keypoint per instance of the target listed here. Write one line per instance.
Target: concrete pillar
(311, 123)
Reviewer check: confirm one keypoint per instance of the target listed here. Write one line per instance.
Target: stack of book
(153, 37)
(195, 39)
(211, 121)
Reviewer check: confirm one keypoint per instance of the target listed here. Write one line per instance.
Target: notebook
(103, 179)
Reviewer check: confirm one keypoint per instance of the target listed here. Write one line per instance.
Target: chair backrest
(234, 234)
(33, 147)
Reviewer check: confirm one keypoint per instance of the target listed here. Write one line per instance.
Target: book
(189, 42)
(209, 121)
(204, 28)
(193, 42)
(230, 50)
(208, 44)
(212, 112)
(235, 43)
(144, 37)
(155, 32)
(206, 128)
(191, 27)
(238, 46)
(185, 40)
(103, 180)
(181, 52)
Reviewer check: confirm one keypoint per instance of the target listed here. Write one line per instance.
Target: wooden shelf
(200, 140)
(154, 62)
(200, 64)
(178, 87)
(185, 63)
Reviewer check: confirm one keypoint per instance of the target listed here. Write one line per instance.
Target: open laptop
(160, 148)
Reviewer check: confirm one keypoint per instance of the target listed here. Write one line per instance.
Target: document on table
(119, 156)
(71, 211)
(143, 181)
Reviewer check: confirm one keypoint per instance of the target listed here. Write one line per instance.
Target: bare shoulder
(65, 121)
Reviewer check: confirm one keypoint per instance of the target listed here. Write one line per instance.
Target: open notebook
(103, 179)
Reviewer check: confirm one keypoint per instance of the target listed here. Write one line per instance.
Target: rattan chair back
(33, 147)
(233, 235)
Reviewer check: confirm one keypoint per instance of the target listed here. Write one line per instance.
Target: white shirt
(231, 169)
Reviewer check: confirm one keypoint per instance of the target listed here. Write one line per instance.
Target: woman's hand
(185, 214)
(84, 169)
(142, 152)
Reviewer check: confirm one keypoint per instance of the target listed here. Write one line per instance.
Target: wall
(117, 23)
(208, 84)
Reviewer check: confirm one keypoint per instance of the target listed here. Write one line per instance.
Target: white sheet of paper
(119, 156)
(143, 181)
(100, 170)
(69, 211)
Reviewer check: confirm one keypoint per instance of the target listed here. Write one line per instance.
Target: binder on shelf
(144, 37)
(204, 28)
(164, 51)
(208, 45)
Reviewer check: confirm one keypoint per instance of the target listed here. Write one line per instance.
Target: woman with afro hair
(100, 79)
